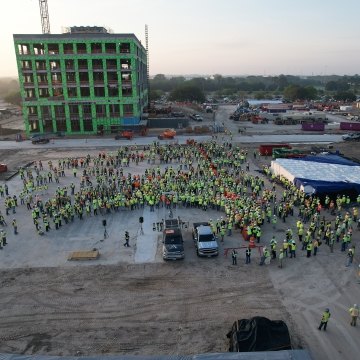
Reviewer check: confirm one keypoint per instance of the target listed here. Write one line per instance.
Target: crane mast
(147, 60)
(44, 14)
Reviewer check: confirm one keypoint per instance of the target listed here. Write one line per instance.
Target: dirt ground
(175, 307)
(135, 309)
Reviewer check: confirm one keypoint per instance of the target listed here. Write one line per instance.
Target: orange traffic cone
(252, 241)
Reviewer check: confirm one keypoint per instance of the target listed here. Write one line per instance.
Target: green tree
(297, 92)
(187, 92)
(155, 94)
(13, 98)
(345, 96)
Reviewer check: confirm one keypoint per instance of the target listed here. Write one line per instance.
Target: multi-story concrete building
(86, 81)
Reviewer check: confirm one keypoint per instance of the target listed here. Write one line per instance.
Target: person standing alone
(354, 312)
(234, 257)
(324, 320)
(127, 238)
(248, 255)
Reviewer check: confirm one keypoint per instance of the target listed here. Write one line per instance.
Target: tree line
(197, 88)
(290, 87)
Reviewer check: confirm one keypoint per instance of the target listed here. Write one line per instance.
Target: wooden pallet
(84, 255)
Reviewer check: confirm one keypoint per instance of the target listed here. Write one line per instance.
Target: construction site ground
(129, 301)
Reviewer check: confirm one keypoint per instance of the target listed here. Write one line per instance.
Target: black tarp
(259, 334)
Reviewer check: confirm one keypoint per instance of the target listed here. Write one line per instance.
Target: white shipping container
(345, 108)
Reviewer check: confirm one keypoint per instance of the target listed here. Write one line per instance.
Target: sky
(206, 37)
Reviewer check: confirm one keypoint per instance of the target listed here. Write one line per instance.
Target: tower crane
(44, 14)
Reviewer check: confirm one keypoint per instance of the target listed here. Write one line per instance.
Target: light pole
(214, 119)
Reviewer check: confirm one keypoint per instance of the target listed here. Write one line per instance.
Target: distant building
(86, 81)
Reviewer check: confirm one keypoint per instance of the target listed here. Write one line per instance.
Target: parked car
(196, 117)
(351, 137)
(40, 140)
(177, 114)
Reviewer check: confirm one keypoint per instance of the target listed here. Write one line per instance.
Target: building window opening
(24, 49)
(84, 92)
(110, 48)
(126, 78)
(100, 111)
(44, 93)
(84, 78)
(40, 65)
(125, 48)
(88, 125)
(125, 64)
(128, 110)
(96, 48)
(69, 65)
(81, 48)
(127, 92)
(97, 64)
(99, 92)
(72, 92)
(68, 49)
(53, 49)
(83, 65)
(114, 110)
(98, 77)
(111, 64)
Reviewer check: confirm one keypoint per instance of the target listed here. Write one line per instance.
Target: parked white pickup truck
(205, 241)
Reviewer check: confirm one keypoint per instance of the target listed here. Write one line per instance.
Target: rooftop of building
(77, 32)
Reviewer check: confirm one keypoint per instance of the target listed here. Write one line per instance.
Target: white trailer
(293, 118)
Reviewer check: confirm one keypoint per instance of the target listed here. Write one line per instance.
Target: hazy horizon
(206, 37)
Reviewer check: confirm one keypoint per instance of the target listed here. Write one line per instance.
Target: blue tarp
(328, 159)
(323, 187)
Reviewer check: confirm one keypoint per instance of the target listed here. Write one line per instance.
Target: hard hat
(355, 305)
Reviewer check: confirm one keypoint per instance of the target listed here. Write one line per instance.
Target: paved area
(180, 139)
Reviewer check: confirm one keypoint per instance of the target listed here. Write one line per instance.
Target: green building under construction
(86, 81)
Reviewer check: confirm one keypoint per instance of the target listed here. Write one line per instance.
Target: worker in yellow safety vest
(324, 320)
(354, 312)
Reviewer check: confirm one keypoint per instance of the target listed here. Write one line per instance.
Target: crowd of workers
(205, 175)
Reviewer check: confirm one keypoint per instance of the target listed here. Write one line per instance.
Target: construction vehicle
(256, 119)
(125, 134)
(167, 134)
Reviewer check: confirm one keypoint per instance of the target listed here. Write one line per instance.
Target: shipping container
(313, 126)
(346, 108)
(266, 149)
(350, 126)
